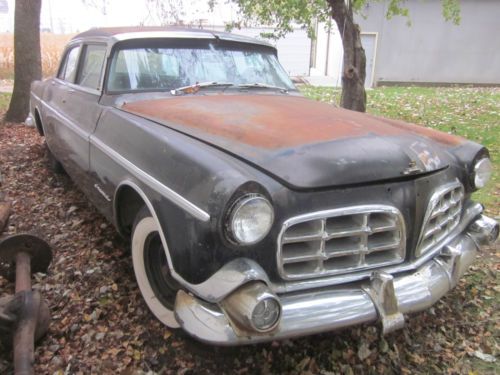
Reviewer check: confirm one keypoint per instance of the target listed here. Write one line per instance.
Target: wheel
(157, 286)
(54, 164)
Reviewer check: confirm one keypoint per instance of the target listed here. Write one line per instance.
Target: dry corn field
(52, 47)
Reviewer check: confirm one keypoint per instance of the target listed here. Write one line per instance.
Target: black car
(256, 214)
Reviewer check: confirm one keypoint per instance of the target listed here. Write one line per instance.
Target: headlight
(250, 219)
(482, 172)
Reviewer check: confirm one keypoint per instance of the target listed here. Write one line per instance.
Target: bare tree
(100, 5)
(27, 57)
(165, 12)
(354, 72)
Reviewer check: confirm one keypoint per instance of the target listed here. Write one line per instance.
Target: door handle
(71, 91)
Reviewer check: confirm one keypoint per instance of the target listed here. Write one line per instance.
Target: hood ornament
(413, 168)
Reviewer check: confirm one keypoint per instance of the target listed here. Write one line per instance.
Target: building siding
(432, 50)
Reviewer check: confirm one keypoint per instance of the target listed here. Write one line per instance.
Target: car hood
(304, 143)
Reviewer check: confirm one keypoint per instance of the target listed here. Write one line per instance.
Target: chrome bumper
(383, 298)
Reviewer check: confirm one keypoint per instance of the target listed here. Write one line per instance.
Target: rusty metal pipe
(24, 336)
(23, 272)
(29, 313)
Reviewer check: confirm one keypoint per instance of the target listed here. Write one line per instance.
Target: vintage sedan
(254, 213)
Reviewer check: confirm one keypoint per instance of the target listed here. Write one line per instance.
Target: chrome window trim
(152, 182)
(75, 86)
(208, 34)
(162, 34)
(470, 212)
(351, 210)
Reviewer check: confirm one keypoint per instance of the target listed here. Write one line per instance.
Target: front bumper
(383, 298)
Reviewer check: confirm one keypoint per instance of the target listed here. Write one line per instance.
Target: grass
(4, 102)
(473, 113)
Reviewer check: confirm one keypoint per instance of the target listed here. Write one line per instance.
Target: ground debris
(101, 325)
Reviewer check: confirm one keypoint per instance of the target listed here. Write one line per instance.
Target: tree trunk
(354, 70)
(27, 57)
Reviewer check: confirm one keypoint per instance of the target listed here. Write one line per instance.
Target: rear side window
(68, 72)
(92, 67)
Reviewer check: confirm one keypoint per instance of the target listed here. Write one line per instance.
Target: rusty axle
(26, 315)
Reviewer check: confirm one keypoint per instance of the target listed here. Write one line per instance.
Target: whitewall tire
(151, 269)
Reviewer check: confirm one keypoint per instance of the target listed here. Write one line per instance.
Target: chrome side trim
(152, 182)
(70, 123)
(102, 192)
(136, 171)
(228, 278)
(469, 214)
(36, 97)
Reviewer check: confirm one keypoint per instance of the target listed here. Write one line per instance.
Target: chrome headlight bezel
(234, 218)
(482, 171)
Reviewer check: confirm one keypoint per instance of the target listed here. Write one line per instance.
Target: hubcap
(157, 270)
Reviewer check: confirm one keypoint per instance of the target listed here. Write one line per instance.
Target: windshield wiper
(263, 86)
(191, 89)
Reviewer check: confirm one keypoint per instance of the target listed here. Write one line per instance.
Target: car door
(77, 98)
(58, 131)
(82, 107)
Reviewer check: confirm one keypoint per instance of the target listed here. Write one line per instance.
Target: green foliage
(451, 11)
(284, 14)
(396, 8)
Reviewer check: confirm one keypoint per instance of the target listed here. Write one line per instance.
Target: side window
(68, 70)
(93, 64)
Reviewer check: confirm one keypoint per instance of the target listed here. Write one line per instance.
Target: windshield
(168, 67)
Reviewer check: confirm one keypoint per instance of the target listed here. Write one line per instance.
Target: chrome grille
(442, 216)
(340, 241)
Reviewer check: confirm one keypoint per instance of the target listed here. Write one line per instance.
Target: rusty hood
(304, 143)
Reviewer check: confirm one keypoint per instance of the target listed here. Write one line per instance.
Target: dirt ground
(100, 324)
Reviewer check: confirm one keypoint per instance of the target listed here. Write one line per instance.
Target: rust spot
(435, 135)
(272, 122)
